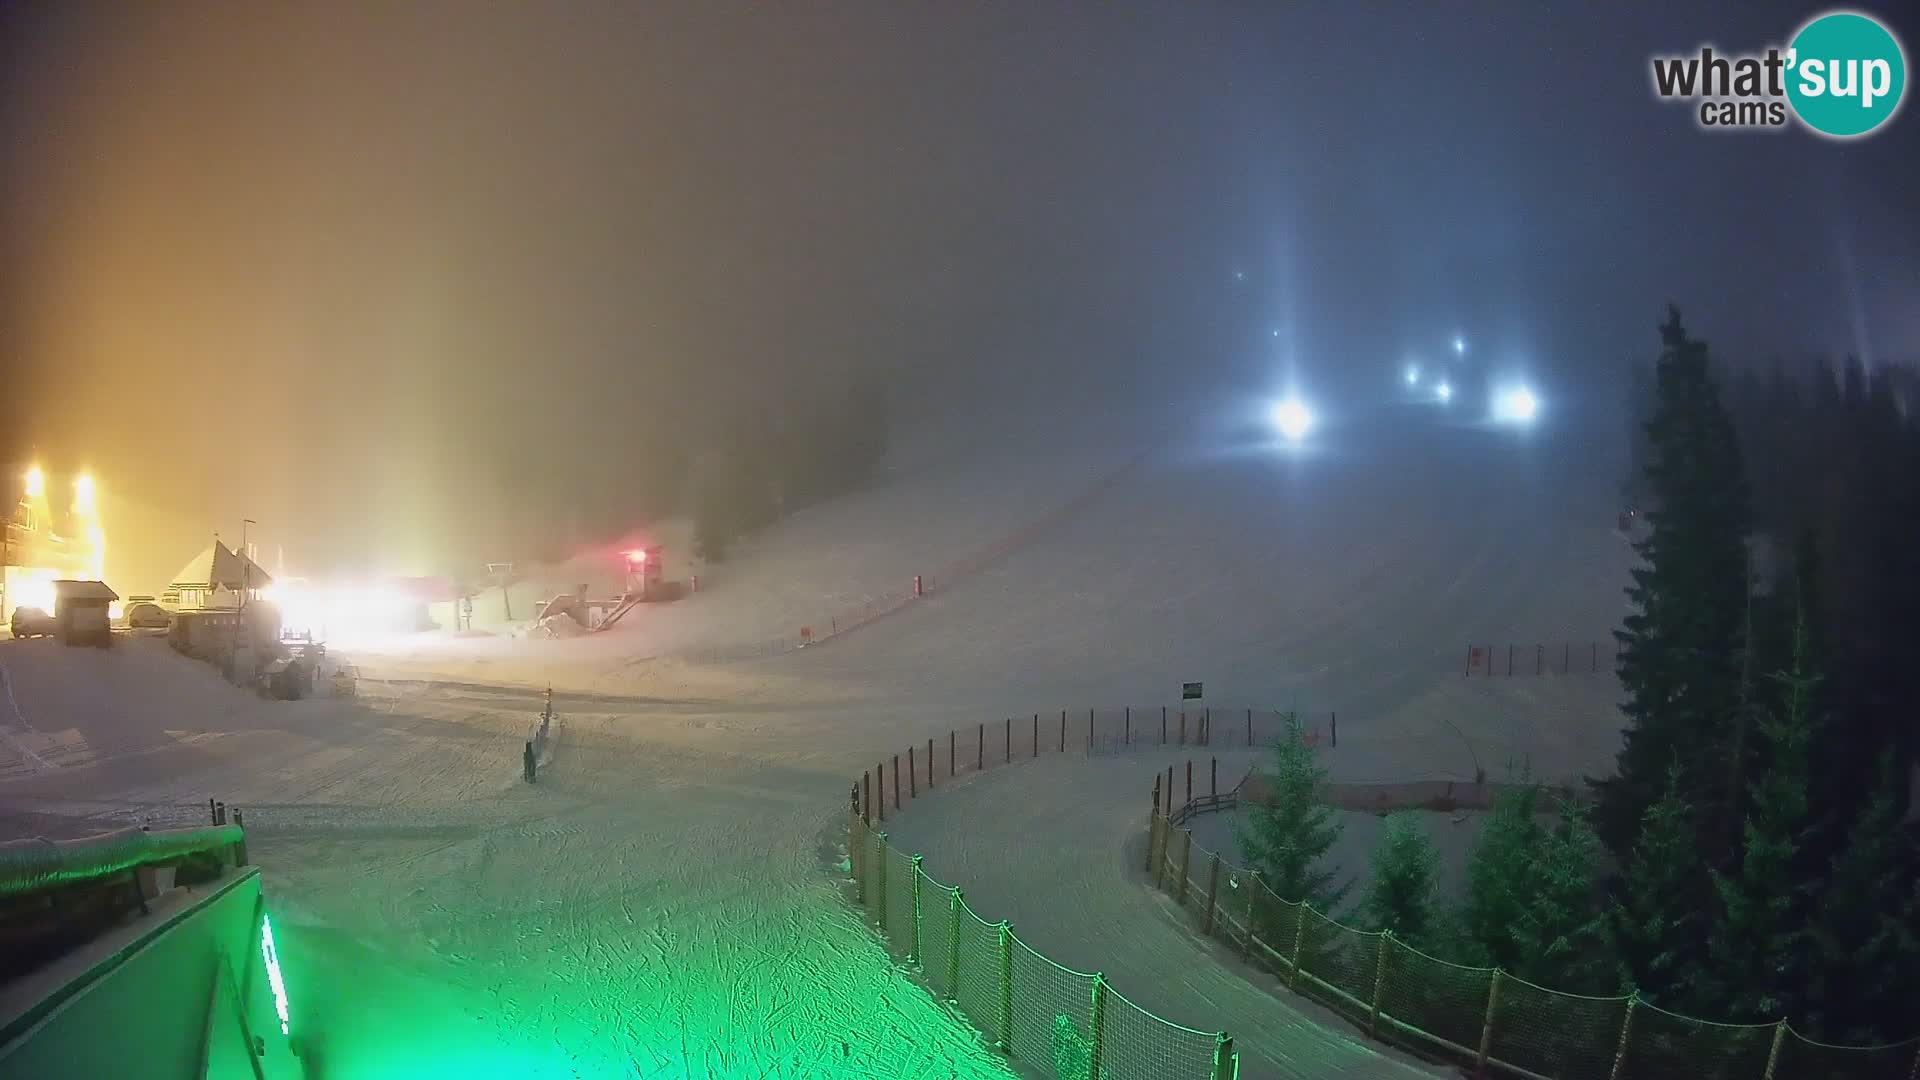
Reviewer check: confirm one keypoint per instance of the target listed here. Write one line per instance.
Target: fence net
(1438, 999)
(1664, 1044)
(1514, 659)
(1455, 1009)
(1805, 1057)
(899, 913)
(1122, 729)
(1045, 994)
(1340, 957)
(1042, 1013)
(1038, 1011)
(938, 935)
(1553, 1034)
(1137, 1045)
(979, 983)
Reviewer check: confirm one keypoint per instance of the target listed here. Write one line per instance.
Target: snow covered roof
(221, 566)
(84, 590)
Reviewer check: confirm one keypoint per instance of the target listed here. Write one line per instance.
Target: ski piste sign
(1189, 691)
(1842, 75)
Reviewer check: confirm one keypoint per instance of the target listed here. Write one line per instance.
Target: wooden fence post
(866, 797)
(1626, 1032)
(1006, 987)
(1299, 939)
(913, 947)
(1773, 1052)
(1225, 1067)
(1249, 729)
(1036, 734)
(953, 945)
(880, 893)
(1186, 860)
(1333, 728)
(1379, 981)
(1089, 731)
(1161, 859)
(859, 847)
(1153, 821)
(1486, 1026)
(1183, 727)
(1063, 731)
(951, 742)
(1213, 788)
(880, 785)
(1009, 740)
(1126, 732)
(980, 749)
(896, 780)
(1213, 895)
(913, 776)
(240, 845)
(1254, 885)
(1098, 1027)
(929, 764)
(1189, 780)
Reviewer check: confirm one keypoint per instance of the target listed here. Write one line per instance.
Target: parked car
(32, 622)
(148, 615)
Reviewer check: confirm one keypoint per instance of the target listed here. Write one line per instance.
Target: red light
(636, 556)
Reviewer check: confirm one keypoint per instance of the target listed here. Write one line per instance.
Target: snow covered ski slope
(665, 900)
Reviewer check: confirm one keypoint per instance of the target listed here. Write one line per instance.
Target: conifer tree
(1532, 900)
(1400, 888)
(1759, 945)
(1867, 930)
(1657, 923)
(1561, 933)
(1680, 647)
(1288, 835)
(1498, 870)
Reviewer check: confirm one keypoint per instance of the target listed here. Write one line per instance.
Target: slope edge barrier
(1495, 1022)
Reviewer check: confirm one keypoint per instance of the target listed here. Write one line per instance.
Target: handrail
(28, 866)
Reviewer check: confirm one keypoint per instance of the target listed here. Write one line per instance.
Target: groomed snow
(667, 899)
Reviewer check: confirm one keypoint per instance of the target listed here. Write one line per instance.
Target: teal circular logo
(1846, 74)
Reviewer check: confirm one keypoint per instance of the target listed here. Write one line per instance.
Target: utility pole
(246, 564)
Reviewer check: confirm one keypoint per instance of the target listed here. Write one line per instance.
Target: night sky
(384, 276)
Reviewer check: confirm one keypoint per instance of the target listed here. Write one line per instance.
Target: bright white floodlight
(1293, 419)
(1413, 374)
(1444, 392)
(1459, 345)
(1517, 405)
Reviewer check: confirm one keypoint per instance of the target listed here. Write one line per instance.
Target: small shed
(80, 612)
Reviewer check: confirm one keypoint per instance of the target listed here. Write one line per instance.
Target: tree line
(1751, 858)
